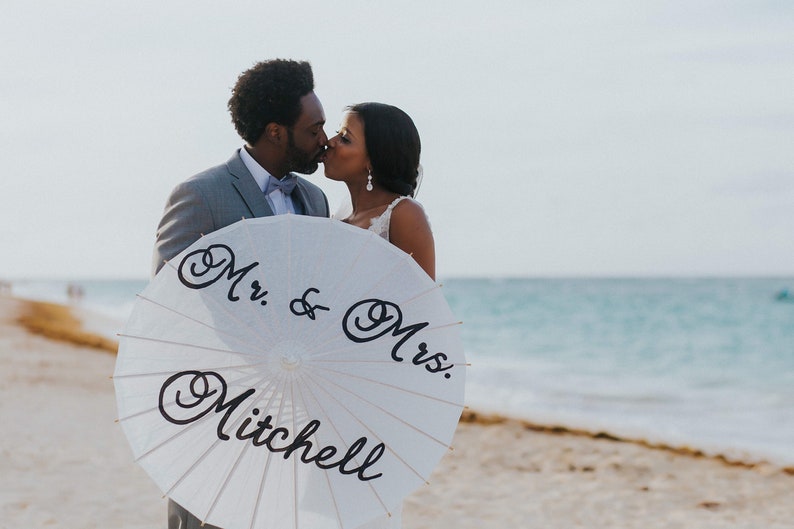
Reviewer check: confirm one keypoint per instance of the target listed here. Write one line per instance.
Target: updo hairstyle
(393, 146)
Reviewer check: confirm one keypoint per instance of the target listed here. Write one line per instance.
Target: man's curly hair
(269, 92)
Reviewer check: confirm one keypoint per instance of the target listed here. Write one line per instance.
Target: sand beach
(66, 464)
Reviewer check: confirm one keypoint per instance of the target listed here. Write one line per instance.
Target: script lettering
(432, 363)
(308, 308)
(188, 396)
(205, 266)
(371, 319)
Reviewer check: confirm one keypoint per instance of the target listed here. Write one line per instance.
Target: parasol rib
(245, 446)
(204, 324)
(355, 417)
(257, 249)
(279, 415)
(339, 435)
(262, 482)
(390, 414)
(393, 386)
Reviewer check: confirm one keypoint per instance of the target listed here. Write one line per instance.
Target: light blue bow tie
(286, 184)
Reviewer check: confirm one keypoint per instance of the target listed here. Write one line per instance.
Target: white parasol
(290, 371)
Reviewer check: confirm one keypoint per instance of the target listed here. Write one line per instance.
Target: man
(276, 112)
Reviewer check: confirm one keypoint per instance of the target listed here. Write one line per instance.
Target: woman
(376, 153)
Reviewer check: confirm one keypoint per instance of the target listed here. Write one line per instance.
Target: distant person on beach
(376, 153)
(74, 292)
(277, 114)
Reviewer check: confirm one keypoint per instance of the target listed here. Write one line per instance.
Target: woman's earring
(369, 182)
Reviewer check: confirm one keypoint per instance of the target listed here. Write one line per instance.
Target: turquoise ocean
(702, 363)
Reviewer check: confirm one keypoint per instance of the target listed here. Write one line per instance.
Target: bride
(376, 153)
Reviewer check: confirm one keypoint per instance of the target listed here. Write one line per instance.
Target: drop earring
(369, 182)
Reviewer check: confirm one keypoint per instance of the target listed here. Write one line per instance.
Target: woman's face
(346, 159)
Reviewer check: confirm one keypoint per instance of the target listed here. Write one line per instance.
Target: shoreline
(66, 324)
(474, 417)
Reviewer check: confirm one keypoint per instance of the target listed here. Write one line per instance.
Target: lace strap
(380, 224)
(395, 202)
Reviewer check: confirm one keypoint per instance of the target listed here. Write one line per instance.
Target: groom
(277, 114)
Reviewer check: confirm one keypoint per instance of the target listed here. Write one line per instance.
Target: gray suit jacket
(215, 198)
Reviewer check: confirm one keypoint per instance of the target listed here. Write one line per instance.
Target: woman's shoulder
(407, 210)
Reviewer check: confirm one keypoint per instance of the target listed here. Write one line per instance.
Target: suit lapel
(300, 193)
(247, 187)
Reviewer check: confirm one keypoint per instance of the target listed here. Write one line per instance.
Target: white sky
(559, 138)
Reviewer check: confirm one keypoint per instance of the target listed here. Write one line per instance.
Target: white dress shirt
(279, 202)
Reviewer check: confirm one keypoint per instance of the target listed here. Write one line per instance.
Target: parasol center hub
(290, 362)
(289, 354)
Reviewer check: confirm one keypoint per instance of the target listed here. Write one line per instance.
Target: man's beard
(299, 161)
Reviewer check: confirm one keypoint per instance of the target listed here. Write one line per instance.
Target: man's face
(306, 139)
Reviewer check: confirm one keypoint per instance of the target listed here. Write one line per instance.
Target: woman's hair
(393, 146)
(269, 92)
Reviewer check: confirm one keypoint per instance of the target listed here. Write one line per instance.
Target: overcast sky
(559, 138)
